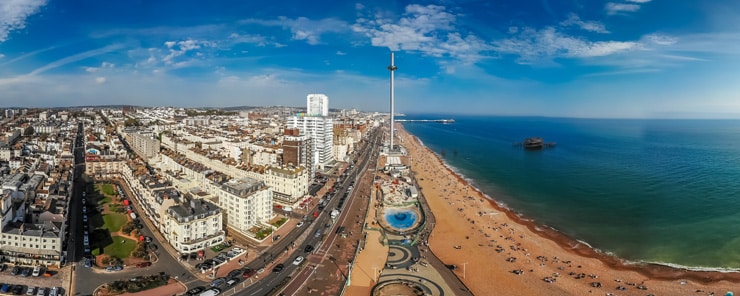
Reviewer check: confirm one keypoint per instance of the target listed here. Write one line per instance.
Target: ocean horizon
(645, 190)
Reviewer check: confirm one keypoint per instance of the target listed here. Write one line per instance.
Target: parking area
(18, 279)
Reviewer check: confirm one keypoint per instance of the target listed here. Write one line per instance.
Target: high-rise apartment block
(320, 132)
(317, 105)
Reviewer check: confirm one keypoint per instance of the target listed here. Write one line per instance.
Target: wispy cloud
(591, 26)
(27, 55)
(639, 1)
(619, 8)
(303, 28)
(13, 15)
(430, 30)
(75, 58)
(179, 48)
(533, 45)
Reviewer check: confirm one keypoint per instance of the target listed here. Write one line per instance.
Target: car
(217, 282)
(143, 264)
(5, 288)
(248, 272)
(54, 291)
(25, 271)
(196, 291)
(148, 239)
(308, 248)
(3, 266)
(88, 263)
(84, 218)
(41, 291)
(84, 209)
(31, 291)
(235, 273)
(278, 268)
(232, 282)
(211, 292)
(237, 249)
(153, 247)
(84, 201)
(299, 224)
(15, 271)
(18, 289)
(114, 268)
(36, 271)
(318, 233)
(298, 260)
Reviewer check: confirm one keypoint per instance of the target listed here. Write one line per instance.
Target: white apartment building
(246, 202)
(144, 145)
(320, 130)
(30, 243)
(193, 225)
(317, 105)
(288, 184)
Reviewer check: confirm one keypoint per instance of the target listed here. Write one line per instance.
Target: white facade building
(288, 184)
(247, 202)
(317, 105)
(320, 130)
(193, 225)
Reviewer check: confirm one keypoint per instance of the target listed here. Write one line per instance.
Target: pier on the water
(427, 120)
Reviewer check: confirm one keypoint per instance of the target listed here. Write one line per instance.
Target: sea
(659, 191)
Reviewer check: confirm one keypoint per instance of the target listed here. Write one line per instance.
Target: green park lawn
(114, 221)
(108, 189)
(118, 249)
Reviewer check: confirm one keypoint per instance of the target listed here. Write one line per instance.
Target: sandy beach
(498, 252)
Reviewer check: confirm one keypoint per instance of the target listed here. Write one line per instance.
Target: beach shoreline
(669, 278)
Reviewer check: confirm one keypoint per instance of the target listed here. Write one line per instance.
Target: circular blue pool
(400, 219)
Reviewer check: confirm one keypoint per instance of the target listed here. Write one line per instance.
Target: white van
(211, 292)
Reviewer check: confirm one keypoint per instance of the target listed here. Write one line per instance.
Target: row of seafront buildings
(213, 174)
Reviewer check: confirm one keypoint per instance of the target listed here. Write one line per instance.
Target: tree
(29, 131)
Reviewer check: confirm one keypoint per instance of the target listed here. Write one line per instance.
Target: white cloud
(179, 48)
(13, 14)
(304, 28)
(2, 55)
(429, 30)
(100, 80)
(341, 53)
(617, 8)
(540, 45)
(591, 26)
(639, 1)
(75, 58)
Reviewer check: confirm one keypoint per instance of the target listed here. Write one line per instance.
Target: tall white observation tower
(392, 68)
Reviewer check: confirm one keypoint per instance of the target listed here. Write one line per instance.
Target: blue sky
(576, 58)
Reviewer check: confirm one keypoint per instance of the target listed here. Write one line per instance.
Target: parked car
(196, 291)
(31, 291)
(217, 282)
(143, 264)
(153, 247)
(299, 224)
(235, 273)
(232, 282)
(25, 271)
(54, 291)
(15, 271)
(41, 291)
(18, 289)
(278, 268)
(36, 271)
(248, 272)
(5, 288)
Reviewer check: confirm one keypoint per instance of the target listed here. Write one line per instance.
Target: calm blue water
(399, 218)
(649, 190)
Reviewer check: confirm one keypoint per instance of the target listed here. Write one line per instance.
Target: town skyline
(610, 59)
